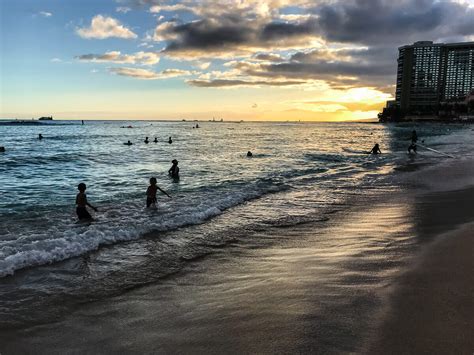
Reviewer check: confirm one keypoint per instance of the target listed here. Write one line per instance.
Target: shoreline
(317, 286)
(237, 300)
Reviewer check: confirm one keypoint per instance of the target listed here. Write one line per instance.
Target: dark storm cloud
(205, 34)
(382, 21)
(278, 30)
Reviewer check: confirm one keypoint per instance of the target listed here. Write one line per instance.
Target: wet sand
(432, 308)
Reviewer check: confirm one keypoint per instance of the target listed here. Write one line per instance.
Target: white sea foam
(119, 223)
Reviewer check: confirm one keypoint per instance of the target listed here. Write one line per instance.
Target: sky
(320, 60)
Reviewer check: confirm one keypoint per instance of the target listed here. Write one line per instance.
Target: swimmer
(174, 170)
(2, 149)
(146, 140)
(156, 140)
(170, 140)
(376, 149)
(151, 193)
(128, 143)
(40, 136)
(249, 153)
(81, 203)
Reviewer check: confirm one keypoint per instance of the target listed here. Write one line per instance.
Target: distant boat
(50, 118)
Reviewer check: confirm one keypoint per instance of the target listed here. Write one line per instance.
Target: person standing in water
(376, 149)
(414, 139)
(151, 193)
(40, 136)
(81, 203)
(156, 140)
(174, 170)
(170, 140)
(146, 140)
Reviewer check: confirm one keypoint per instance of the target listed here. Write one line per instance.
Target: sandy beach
(432, 310)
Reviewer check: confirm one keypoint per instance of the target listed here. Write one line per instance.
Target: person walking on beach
(376, 149)
(174, 170)
(170, 140)
(151, 193)
(81, 203)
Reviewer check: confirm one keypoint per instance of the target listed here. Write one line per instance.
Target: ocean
(300, 174)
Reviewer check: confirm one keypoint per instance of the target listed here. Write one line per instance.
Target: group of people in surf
(82, 203)
(411, 148)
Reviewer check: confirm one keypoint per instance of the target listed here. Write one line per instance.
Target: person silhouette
(151, 193)
(174, 170)
(170, 140)
(128, 143)
(249, 153)
(411, 148)
(146, 140)
(40, 136)
(156, 140)
(81, 203)
(376, 149)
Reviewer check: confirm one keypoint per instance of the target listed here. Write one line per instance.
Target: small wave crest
(117, 224)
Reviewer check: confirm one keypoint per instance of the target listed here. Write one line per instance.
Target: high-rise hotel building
(430, 73)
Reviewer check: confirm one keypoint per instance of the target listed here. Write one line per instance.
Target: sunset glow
(250, 60)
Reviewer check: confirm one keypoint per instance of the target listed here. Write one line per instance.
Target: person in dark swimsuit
(170, 140)
(156, 140)
(376, 149)
(146, 140)
(174, 170)
(151, 193)
(81, 203)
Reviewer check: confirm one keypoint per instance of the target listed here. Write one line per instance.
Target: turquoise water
(298, 169)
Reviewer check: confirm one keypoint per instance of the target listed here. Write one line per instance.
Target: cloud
(269, 57)
(343, 43)
(220, 83)
(144, 58)
(170, 8)
(145, 74)
(105, 27)
(123, 9)
(45, 14)
(399, 22)
(55, 60)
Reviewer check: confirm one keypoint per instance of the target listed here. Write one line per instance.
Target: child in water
(81, 203)
(151, 193)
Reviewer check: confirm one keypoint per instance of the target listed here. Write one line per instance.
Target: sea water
(298, 173)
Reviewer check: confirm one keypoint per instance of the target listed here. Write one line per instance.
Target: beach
(343, 278)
